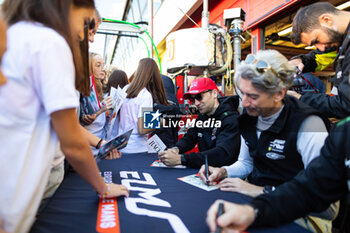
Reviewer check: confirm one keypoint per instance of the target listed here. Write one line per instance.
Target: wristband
(268, 189)
(99, 144)
(107, 192)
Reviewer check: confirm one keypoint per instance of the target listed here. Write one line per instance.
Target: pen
(220, 212)
(206, 169)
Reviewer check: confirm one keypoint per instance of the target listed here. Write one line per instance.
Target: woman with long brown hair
(145, 89)
(117, 78)
(95, 121)
(38, 104)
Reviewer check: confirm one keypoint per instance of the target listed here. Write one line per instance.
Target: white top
(311, 137)
(41, 80)
(130, 111)
(97, 127)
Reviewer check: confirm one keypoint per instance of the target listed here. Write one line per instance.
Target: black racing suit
(324, 181)
(220, 144)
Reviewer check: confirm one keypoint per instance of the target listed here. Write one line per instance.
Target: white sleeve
(244, 165)
(54, 77)
(311, 137)
(145, 102)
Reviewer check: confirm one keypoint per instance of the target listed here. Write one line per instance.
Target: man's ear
(215, 93)
(326, 20)
(280, 95)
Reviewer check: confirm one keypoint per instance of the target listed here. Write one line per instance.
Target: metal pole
(150, 23)
(237, 26)
(185, 89)
(205, 15)
(237, 52)
(105, 50)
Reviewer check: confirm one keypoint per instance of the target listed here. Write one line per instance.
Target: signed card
(195, 180)
(155, 144)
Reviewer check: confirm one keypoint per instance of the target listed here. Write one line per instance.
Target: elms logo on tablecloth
(151, 120)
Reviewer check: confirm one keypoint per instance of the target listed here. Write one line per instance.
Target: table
(158, 201)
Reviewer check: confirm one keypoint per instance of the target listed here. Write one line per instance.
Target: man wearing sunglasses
(280, 135)
(219, 144)
(322, 25)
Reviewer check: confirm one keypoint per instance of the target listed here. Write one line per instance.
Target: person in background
(95, 123)
(117, 78)
(220, 143)
(169, 136)
(98, 73)
(145, 89)
(318, 84)
(38, 108)
(326, 27)
(170, 91)
(95, 23)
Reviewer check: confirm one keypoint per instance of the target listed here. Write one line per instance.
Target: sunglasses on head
(198, 97)
(261, 65)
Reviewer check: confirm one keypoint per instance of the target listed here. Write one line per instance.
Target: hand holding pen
(214, 174)
(229, 217)
(220, 212)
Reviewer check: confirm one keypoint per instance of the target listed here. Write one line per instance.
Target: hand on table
(116, 190)
(240, 186)
(170, 157)
(215, 174)
(236, 218)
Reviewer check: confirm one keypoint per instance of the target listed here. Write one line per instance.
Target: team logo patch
(277, 145)
(151, 120)
(275, 148)
(274, 156)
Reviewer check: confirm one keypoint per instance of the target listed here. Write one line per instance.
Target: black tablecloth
(74, 206)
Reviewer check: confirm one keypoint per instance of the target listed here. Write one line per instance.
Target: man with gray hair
(280, 135)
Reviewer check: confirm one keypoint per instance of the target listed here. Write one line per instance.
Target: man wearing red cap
(219, 144)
